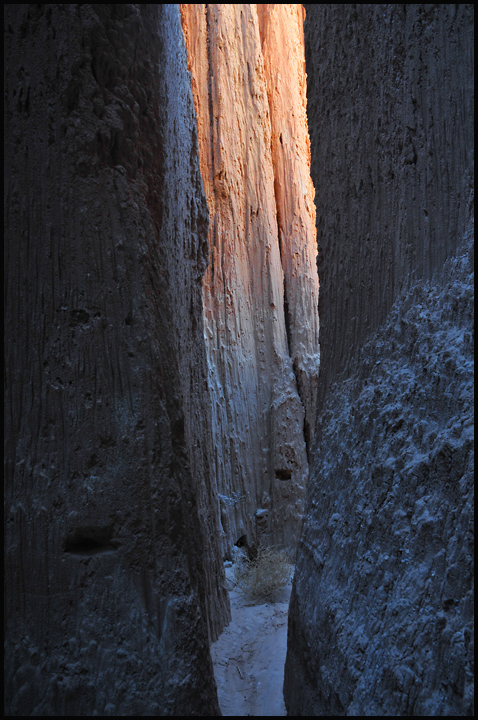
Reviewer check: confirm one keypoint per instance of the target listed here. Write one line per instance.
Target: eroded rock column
(260, 289)
(282, 38)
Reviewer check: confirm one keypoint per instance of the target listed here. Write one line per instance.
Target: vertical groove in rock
(249, 177)
(112, 561)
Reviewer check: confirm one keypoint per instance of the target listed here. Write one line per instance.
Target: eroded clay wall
(390, 108)
(261, 288)
(112, 563)
(381, 613)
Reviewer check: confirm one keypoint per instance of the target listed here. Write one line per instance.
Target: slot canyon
(179, 179)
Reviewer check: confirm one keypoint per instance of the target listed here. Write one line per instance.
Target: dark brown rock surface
(381, 614)
(113, 571)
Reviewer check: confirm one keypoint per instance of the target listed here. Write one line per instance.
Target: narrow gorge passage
(162, 355)
(260, 295)
(249, 656)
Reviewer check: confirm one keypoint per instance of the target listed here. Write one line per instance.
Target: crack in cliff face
(210, 102)
(295, 363)
(260, 313)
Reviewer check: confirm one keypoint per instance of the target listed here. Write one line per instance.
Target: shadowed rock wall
(390, 108)
(381, 613)
(261, 287)
(113, 570)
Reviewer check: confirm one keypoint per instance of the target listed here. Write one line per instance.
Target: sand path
(249, 656)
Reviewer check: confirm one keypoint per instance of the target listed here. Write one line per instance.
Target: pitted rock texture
(381, 614)
(391, 122)
(261, 288)
(112, 562)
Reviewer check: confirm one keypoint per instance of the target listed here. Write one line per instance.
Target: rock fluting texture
(161, 350)
(113, 568)
(381, 614)
(390, 108)
(261, 287)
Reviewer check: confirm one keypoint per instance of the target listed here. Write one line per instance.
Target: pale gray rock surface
(113, 571)
(381, 615)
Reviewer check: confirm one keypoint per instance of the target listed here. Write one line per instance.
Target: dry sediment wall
(261, 288)
(381, 613)
(390, 109)
(112, 562)
(129, 447)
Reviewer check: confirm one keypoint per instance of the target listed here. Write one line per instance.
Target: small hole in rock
(90, 541)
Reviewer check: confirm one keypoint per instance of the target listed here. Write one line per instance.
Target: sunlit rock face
(381, 614)
(260, 289)
(113, 569)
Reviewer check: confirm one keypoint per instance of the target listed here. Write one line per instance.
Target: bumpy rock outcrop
(113, 569)
(381, 614)
(261, 287)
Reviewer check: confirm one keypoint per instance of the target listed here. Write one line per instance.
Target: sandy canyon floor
(249, 656)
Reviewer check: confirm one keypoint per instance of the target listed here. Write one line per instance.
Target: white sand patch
(249, 656)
